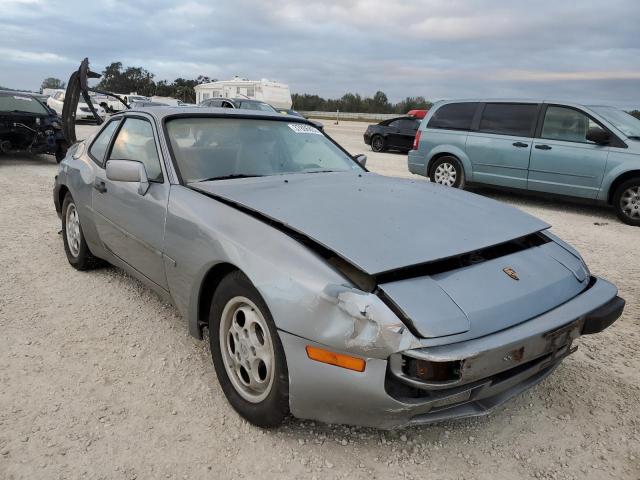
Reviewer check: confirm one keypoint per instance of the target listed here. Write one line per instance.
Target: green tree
(52, 82)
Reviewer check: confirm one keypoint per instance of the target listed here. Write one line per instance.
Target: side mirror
(598, 135)
(128, 171)
(361, 159)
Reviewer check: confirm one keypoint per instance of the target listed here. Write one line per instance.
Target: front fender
(617, 165)
(305, 296)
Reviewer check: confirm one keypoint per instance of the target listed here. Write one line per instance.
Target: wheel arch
(208, 286)
(458, 154)
(623, 177)
(60, 194)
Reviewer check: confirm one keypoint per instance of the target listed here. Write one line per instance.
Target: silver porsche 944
(329, 292)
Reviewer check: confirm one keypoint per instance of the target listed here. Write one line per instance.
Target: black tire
(626, 201)
(378, 143)
(452, 165)
(83, 259)
(274, 408)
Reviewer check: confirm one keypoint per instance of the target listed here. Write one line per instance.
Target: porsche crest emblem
(511, 272)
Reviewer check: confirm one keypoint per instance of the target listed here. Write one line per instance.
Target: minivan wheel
(626, 201)
(377, 143)
(447, 171)
(247, 354)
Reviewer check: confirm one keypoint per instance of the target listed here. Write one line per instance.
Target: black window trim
(95, 139)
(473, 117)
(615, 142)
(532, 129)
(155, 141)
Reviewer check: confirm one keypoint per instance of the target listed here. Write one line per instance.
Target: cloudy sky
(586, 51)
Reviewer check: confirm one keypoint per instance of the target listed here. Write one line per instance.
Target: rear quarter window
(454, 116)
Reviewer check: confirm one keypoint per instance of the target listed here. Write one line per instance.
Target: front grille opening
(465, 259)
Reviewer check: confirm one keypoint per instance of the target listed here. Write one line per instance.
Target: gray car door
(131, 225)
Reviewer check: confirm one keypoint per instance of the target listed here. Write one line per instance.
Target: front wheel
(447, 171)
(377, 143)
(247, 354)
(626, 201)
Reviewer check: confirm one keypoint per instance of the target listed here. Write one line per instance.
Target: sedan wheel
(627, 202)
(247, 352)
(247, 349)
(377, 143)
(73, 230)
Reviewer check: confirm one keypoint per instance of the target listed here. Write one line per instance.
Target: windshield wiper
(316, 171)
(227, 177)
(634, 137)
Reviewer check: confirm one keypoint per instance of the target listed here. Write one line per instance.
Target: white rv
(274, 93)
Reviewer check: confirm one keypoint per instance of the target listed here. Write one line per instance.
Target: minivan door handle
(543, 147)
(520, 144)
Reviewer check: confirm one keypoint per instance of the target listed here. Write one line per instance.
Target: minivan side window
(454, 116)
(100, 144)
(562, 123)
(516, 119)
(135, 141)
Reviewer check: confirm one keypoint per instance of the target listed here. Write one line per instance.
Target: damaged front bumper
(485, 372)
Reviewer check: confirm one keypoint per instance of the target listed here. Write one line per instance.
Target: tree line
(353, 102)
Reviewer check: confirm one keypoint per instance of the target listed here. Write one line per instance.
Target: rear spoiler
(79, 85)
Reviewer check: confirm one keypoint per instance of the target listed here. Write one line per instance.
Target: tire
(75, 246)
(378, 143)
(626, 201)
(244, 344)
(448, 172)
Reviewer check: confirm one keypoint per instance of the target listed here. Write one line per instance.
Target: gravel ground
(100, 379)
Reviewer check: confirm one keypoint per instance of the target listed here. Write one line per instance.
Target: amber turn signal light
(337, 359)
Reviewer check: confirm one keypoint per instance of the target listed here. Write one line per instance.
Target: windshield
(627, 124)
(21, 103)
(263, 107)
(211, 148)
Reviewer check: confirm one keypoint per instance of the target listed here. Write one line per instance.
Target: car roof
(513, 100)
(162, 112)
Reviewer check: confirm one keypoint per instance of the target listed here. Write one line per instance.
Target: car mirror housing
(361, 159)
(128, 171)
(598, 135)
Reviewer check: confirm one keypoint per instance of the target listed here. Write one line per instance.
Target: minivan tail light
(416, 140)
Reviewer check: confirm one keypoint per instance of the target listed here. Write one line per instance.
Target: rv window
(251, 92)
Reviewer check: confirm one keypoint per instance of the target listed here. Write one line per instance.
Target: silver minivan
(588, 152)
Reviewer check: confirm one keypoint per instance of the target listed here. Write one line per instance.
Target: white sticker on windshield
(26, 99)
(303, 128)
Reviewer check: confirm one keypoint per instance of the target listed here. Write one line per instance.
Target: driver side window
(561, 123)
(135, 141)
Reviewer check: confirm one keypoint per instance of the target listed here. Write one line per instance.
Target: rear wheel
(247, 353)
(447, 171)
(75, 246)
(626, 201)
(377, 143)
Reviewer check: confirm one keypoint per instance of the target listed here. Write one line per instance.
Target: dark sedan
(393, 134)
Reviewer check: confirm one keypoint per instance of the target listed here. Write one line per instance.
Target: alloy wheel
(445, 174)
(247, 349)
(72, 224)
(630, 202)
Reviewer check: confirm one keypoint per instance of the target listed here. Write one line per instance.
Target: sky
(586, 51)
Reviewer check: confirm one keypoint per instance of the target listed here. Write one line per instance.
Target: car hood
(384, 225)
(378, 223)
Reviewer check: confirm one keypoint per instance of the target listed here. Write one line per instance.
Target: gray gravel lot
(100, 379)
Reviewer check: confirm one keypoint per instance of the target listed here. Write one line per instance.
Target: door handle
(543, 147)
(99, 185)
(520, 144)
